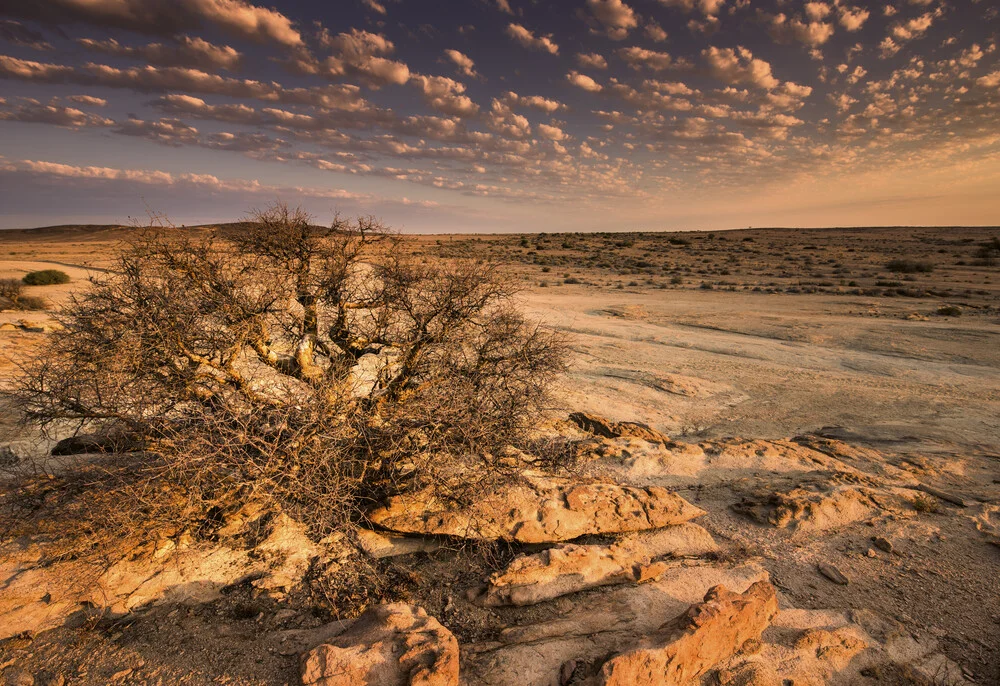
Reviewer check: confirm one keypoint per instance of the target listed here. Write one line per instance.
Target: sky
(443, 116)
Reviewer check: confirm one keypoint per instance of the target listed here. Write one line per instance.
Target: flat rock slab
(687, 647)
(570, 568)
(388, 645)
(540, 509)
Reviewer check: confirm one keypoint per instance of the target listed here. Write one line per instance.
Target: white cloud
(165, 17)
(445, 95)
(739, 66)
(592, 60)
(617, 17)
(638, 58)
(464, 63)
(583, 81)
(529, 40)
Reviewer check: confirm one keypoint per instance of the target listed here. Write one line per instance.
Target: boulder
(539, 509)
(388, 645)
(570, 568)
(687, 647)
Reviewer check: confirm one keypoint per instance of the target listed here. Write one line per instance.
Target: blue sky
(503, 115)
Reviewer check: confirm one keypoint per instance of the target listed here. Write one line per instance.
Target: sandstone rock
(569, 568)
(750, 674)
(837, 647)
(539, 510)
(388, 645)
(599, 426)
(819, 502)
(688, 646)
(380, 544)
(38, 596)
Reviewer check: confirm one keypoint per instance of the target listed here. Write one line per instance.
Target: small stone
(832, 573)
(871, 553)
(883, 544)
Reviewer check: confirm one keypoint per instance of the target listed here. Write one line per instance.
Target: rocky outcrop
(569, 568)
(38, 595)
(388, 645)
(540, 509)
(687, 647)
(599, 426)
(819, 502)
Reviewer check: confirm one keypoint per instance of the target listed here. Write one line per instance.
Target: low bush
(903, 266)
(46, 277)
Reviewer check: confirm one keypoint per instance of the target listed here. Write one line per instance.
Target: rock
(540, 509)
(19, 677)
(39, 594)
(591, 423)
(388, 645)
(599, 426)
(750, 674)
(379, 544)
(819, 502)
(837, 647)
(687, 647)
(569, 568)
(883, 544)
(832, 573)
(7, 326)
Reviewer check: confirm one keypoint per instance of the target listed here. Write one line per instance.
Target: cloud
(592, 60)
(171, 132)
(154, 177)
(528, 39)
(583, 81)
(991, 80)
(707, 7)
(374, 6)
(183, 52)
(445, 95)
(914, 28)
(739, 66)
(151, 79)
(537, 102)
(553, 133)
(88, 100)
(787, 30)
(31, 111)
(637, 58)
(616, 17)
(506, 122)
(17, 33)
(464, 63)
(504, 6)
(853, 18)
(655, 32)
(359, 54)
(164, 17)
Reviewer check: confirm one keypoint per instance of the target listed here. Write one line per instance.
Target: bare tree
(318, 369)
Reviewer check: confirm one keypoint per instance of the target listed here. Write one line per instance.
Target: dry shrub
(315, 370)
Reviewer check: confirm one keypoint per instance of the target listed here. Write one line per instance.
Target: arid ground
(830, 398)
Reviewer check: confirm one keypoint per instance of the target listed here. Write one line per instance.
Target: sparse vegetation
(903, 266)
(12, 296)
(46, 277)
(314, 370)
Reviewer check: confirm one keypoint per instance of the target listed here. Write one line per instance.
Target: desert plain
(829, 399)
